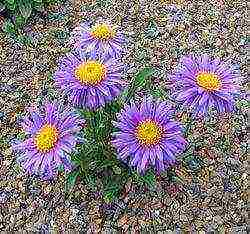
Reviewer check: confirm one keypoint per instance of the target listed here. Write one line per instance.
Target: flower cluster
(205, 83)
(101, 37)
(90, 80)
(148, 136)
(52, 137)
(91, 77)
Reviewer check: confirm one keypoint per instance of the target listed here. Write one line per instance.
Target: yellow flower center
(90, 72)
(46, 138)
(208, 81)
(148, 133)
(102, 32)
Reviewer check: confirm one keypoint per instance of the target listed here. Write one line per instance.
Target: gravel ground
(211, 198)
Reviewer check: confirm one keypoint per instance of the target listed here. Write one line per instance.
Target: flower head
(89, 80)
(205, 83)
(147, 136)
(51, 139)
(101, 37)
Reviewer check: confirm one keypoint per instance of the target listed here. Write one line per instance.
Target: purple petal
(186, 94)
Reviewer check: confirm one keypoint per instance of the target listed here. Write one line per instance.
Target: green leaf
(71, 180)
(158, 92)
(10, 5)
(87, 114)
(103, 3)
(50, 1)
(112, 185)
(11, 2)
(39, 6)
(91, 181)
(141, 77)
(26, 40)
(25, 8)
(149, 178)
(9, 27)
(76, 158)
(139, 81)
(106, 163)
(111, 192)
(113, 107)
(19, 21)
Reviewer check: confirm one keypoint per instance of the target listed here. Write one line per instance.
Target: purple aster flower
(102, 37)
(51, 139)
(205, 83)
(89, 80)
(148, 137)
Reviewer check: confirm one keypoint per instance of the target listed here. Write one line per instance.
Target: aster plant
(96, 161)
(102, 37)
(91, 80)
(148, 137)
(205, 82)
(51, 138)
